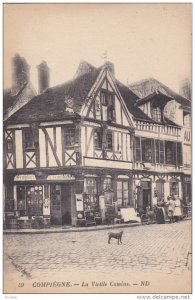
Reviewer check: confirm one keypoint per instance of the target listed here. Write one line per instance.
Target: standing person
(160, 214)
(170, 209)
(177, 212)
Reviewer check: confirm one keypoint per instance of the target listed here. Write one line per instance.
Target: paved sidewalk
(58, 229)
(63, 229)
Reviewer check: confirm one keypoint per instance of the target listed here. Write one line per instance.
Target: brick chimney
(20, 73)
(43, 76)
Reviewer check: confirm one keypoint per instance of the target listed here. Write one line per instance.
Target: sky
(142, 40)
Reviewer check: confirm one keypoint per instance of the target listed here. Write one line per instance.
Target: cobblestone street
(164, 250)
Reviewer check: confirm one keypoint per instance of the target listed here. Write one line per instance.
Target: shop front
(32, 202)
(66, 199)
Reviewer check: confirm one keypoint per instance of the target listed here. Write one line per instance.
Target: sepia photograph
(97, 154)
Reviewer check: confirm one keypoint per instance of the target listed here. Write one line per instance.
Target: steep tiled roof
(147, 86)
(11, 103)
(160, 98)
(8, 100)
(52, 104)
(130, 99)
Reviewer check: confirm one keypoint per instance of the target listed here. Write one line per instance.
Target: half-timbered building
(89, 151)
(163, 144)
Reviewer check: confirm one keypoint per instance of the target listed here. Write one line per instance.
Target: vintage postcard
(97, 193)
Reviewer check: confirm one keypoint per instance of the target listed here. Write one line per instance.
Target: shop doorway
(61, 204)
(145, 195)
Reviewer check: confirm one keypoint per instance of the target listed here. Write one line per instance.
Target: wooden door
(66, 204)
(56, 215)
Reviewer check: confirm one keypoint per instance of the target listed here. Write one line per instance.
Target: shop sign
(79, 202)
(62, 177)
(25, 177)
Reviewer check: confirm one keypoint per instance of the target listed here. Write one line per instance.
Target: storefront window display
(30, 200)
(90, 195)
(122, 193)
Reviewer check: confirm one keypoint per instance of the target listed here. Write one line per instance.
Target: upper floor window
(104, 98)
(69, 136)
(28, 139)
(159, 152)
(98, 139)
(170, 151)
(156, 114)
(186, 119)
(109, 141)
(146, 145)
(137, 149)
(108, 105)
(179, 153)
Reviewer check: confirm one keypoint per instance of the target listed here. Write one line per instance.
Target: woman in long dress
(177, 211)
(171, 209)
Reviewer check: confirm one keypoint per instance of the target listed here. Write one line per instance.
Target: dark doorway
(145, 195)
(61, 204)
(66, 204)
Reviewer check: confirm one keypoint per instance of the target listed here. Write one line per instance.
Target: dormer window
(186, 119)
(156, 114)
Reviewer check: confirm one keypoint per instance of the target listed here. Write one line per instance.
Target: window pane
(162, 159)
(98, 139)
(170, 152)
(107, 184)
(137, 149)
(157, 151)
(103, 98)
(69, 136)
(119, 185)
(119, 201)
(126, 194)
(156, 114)
(146, 150)
(125, 185)
(109, 141)
(179, 154)
(119, 194)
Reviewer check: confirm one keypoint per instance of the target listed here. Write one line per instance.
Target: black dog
(117, 236)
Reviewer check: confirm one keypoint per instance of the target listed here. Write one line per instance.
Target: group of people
(174, 211)
(171, 208)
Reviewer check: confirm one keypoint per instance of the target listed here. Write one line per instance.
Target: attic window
(108, 105)
(156, 114)
(103, 98)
